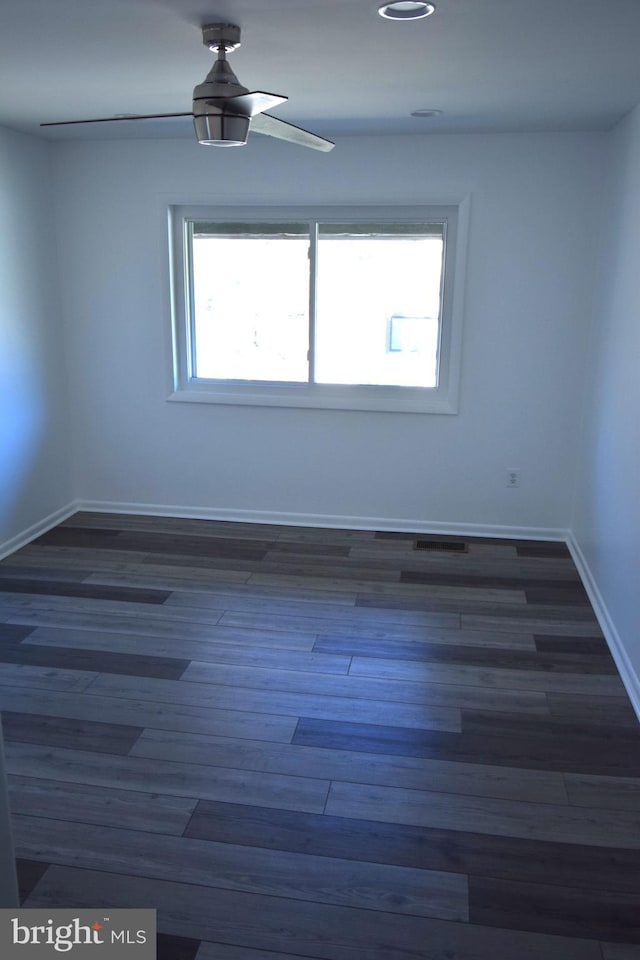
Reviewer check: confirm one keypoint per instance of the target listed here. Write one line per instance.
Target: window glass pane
(378, 304)
(250, 301)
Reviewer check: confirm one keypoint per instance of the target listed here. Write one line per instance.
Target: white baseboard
(36, 530)
(398, 524)
(616, 646)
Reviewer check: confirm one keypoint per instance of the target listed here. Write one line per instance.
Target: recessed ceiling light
(406, 10)
(426, 112)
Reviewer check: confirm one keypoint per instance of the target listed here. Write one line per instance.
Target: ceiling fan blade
(246, 104)
(150, 116)
(273, 127)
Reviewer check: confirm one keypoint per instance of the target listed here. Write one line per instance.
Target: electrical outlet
(513, 476)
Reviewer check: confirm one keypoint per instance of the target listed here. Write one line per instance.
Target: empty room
(319, 478)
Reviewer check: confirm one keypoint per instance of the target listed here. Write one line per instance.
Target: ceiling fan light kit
(223, 110)
(222, 130)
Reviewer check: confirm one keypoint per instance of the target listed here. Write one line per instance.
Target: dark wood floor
(300, 743)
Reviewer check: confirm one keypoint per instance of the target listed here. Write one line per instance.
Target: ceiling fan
(223, 110)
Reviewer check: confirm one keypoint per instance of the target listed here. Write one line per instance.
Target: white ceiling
(490, 65)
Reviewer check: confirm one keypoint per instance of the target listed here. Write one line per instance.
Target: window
(353, 309)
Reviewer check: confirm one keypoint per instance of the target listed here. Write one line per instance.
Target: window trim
(442, 399)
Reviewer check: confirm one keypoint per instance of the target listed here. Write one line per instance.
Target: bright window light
(250, 303)
(369, 277)
(355, 311)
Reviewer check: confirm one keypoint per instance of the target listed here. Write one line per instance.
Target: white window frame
(442, 399)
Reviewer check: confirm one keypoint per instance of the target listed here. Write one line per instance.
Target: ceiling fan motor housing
(216, 118)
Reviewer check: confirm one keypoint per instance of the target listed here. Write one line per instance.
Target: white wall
(528, 297)
(606, 521)
(35, 479)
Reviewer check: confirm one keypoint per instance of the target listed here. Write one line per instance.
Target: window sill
(319, 396)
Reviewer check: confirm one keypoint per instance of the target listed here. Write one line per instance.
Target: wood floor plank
(590, 710)
(63, 732)
(475, 854)
(485, 577)
(99, 805)
(283, 702)
(80, 658)
(574, 646)
(618, 793)
(392, 621)
(465, 655)
(10, 571)
(565, 911)
(112, 564)
(190, 588)
(225, 951)
(150, 649)
(71, 558)
(91, 519)
(173, 629)
(24, 603)
(307, 624)
(487, 562)
(169, 947)
(319, 931)
(43, 678)
(543, 680)
(599, 736)
(359, 586)
(360, 689)
(323, 534)
(29, 873)
(555, 619)
(535, 623)
(584, 826)
(475, 592)
(308, 548)
(146, 713)
(550, 749)
(64, 588)
(620, 951)
(591, 646)
(225, 866)
(574, 594)
(477, 779)
(167, 777)
(554, 744)
(327, 571)
(63, 536)
(543, 549)
(284, 564)
(438, 635)
(153, 542)
(11, 634)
